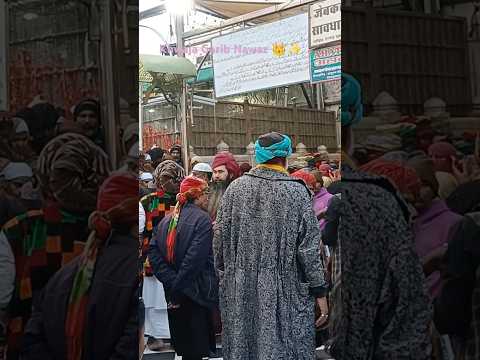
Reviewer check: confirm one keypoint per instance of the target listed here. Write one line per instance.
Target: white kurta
(7, 272)
(156, 316)
(141, 218)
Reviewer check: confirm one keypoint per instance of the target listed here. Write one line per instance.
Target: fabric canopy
(225, 9)
(230, 9)
(168, 65)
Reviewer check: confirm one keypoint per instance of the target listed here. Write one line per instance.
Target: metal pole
(203, 60)
(320, 100)
(4, 43)
(184, 125)
(109, 86)
(305, 95)
(183, 97)
(190, 103)
(140, 117)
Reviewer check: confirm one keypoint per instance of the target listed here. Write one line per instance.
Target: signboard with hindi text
(261, 57)
(3, 57)
(326, 64)
(325, 21)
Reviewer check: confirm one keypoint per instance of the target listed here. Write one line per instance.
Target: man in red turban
(225, 170)
(225, 167)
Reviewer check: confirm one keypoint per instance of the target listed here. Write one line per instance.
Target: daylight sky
(150, 42)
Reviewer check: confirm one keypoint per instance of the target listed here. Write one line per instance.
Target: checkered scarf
(42, 241)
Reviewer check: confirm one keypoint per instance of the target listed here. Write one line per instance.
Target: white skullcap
(202, 167)
(15, 170)
(20, 126)
(146, 176)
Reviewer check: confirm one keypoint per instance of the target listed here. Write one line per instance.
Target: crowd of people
(401, 233)
(69, 236)
(282, 258)
(374, 257)
(402, 230)
(186, 225)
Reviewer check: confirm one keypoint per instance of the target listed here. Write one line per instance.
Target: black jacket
(192, 273)
(111, 330)
(453, 307)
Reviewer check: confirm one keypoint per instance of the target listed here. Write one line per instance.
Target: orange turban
(191, 188)
(403, 177)
(307, 177)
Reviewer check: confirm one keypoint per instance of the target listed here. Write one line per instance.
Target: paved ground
(167, 356)
(171, 356)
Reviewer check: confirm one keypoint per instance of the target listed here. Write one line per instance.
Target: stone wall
(386, 111)
(249, 156)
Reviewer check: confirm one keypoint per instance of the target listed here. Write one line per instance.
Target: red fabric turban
(227, 159)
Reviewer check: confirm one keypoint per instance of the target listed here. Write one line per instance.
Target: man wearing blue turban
(267, 255)
(379, 306)
(352, 108)
(273, 146)
(352, 112)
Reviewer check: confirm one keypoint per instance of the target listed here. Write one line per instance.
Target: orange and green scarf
(101, 224)
(190, 188)
(77, 306)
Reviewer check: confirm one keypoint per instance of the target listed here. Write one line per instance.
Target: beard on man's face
(218, 186)
(221, 183)
(215, 193)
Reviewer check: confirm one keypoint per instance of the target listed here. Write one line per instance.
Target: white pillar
(222, 146)
(301, 149)
(251, 153)
(435, 107)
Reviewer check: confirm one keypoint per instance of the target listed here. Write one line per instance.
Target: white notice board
(325, 22)
(262, 57)
(3, 57)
